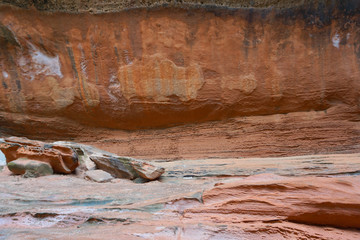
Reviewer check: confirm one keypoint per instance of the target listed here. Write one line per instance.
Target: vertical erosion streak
(85, 91)
(73, 64)
(94, 57)
(15, 84)
(157, 80)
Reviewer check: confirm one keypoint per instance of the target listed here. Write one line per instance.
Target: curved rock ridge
(307, 200)
(162, 67)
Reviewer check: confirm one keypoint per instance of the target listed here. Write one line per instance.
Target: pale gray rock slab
(98, 176)
(30, 168)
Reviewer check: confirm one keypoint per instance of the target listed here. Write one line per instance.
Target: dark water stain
(89, 202)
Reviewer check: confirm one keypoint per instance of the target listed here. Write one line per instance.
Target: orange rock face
(160, 67)
(289, 77)
(313, 201)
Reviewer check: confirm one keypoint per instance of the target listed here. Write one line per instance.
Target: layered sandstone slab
(312, 200)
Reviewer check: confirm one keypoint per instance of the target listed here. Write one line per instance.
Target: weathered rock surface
(311, 200)
(280, 77)
(98, 176)
(165, 66)
(83, 152)
(221, 206)
(303, 133)
(30, 168)
(126, 167)
(286, 70)
(117, 167)
(61, 158)
(108, 6)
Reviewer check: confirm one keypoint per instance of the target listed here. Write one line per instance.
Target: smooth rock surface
(98, 176)
(30, 168)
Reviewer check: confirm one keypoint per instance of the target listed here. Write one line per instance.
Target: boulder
(116, 166)
(146, 170)
(65, 157)
(62, 159)
(30, 168)
(127, 167)
(98, 176)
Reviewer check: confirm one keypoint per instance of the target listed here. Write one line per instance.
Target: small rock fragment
(146, 170)
(85, 162)
(98, 176)
(30, 168)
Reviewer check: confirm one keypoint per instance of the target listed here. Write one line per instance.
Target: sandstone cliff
(139, 67)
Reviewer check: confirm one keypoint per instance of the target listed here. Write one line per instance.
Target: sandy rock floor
(195, 199)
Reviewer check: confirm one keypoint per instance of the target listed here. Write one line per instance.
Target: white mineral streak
(40, 63)
(5, 74)
(336, 40)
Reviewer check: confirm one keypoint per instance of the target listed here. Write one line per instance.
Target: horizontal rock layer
(317, 201)
(93, 6)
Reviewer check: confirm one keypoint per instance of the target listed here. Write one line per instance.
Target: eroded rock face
(62, 159)
(314, 201)
(164, 66)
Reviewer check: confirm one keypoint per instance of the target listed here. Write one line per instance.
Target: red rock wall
(160, 67)
(146, 68)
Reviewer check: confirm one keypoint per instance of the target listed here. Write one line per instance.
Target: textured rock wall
(165, 66)
(150, 68)
(94, 6)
